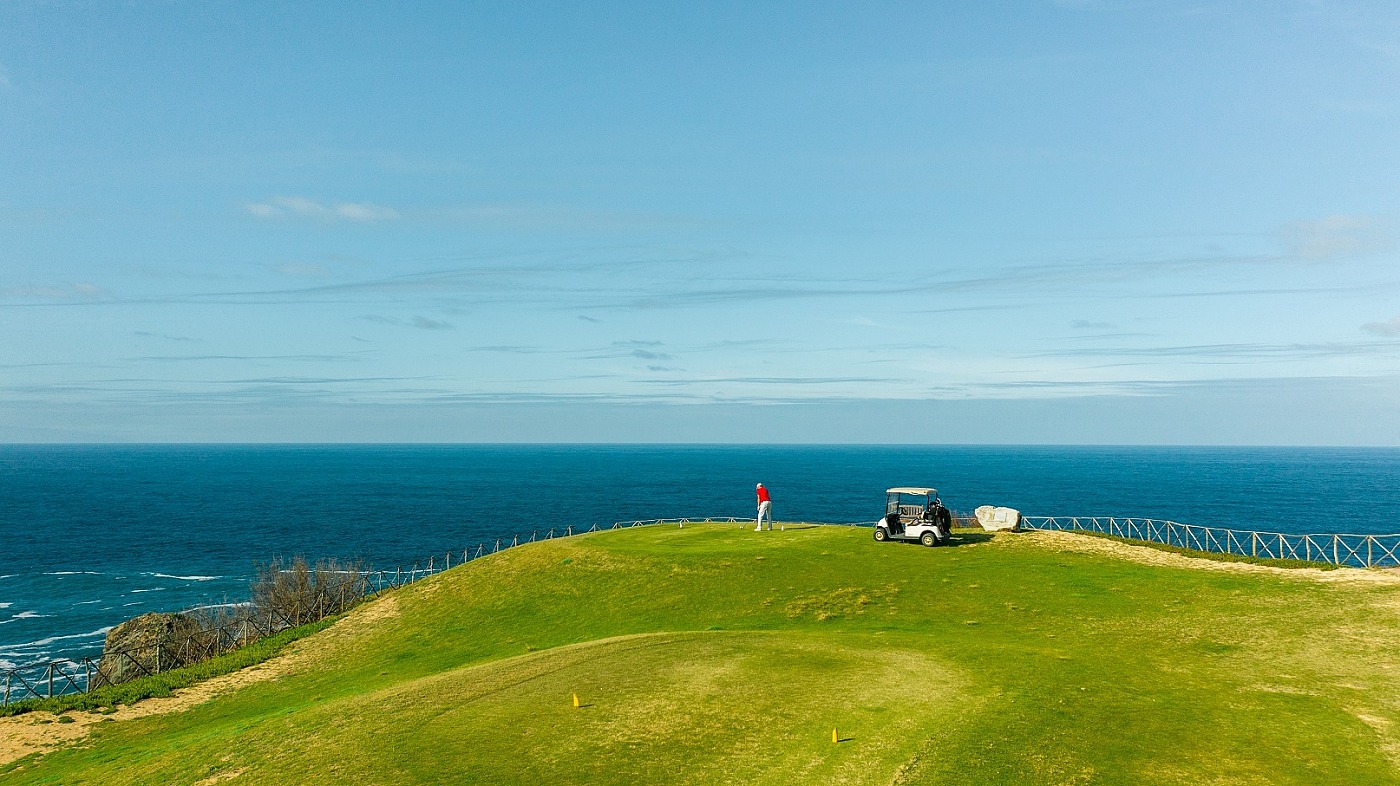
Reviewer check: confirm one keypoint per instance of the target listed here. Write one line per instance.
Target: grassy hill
(713, 654)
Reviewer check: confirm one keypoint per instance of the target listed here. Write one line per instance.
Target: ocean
(93, 535)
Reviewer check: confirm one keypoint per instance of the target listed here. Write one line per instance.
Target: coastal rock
(994, 519)
(146, 644)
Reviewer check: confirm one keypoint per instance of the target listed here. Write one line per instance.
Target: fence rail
(1354, 551)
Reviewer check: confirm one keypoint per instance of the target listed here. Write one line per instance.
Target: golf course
(715, 654)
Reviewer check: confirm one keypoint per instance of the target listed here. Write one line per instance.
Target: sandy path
(35, 732)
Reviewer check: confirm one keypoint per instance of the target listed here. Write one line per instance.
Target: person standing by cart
(765, 510)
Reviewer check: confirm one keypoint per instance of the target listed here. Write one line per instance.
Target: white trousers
(765, 510)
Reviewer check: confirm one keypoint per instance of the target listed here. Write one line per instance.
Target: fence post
(1369, 540)
(9, 675)
(87, 675)
(51, 680)
(1335, 538)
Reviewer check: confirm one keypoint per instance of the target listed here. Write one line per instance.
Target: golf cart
(914, 514)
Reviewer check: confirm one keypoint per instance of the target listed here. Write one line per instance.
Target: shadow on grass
(969, 538)
(958, 539)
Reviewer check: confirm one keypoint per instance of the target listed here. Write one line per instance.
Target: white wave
(222, 605)
(13, 649)
(6, 605)
(86, 602)
(73, 573)
(184, 578)
(28, 615)
(152, 589)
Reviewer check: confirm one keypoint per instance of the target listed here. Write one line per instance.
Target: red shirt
(762, 494)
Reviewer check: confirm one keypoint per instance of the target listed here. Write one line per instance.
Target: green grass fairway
(713, 654)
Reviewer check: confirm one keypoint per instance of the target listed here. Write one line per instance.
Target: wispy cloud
(308, 269)
(506, 349)
(1388, 328)
(316, 380)
(420, 322)
(294, 207)
(292, 358)
(774, 380)
(83, 291)
(1338, 236)
(1240, 352)
(536, 217)
(163, 336)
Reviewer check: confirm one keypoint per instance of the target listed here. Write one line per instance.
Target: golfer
(765, 509)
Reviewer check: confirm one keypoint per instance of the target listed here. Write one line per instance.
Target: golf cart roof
(910, 490)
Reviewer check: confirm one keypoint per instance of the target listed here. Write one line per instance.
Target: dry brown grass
(1069, 541)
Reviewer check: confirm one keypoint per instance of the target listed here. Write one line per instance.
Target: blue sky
(1078, 222)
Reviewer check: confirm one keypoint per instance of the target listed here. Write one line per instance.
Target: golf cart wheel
(928, 539)
(881, 535)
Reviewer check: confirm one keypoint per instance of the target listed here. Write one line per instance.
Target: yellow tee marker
(834, 738)
(575, 699)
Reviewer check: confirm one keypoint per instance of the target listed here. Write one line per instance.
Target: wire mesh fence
(1355, 551)
(81, 672)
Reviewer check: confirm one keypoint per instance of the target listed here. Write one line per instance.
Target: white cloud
(352, 211)
(1390, 328)
(1338, 236)
(290, 207)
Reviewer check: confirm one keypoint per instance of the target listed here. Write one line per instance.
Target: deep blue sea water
(93, 535)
